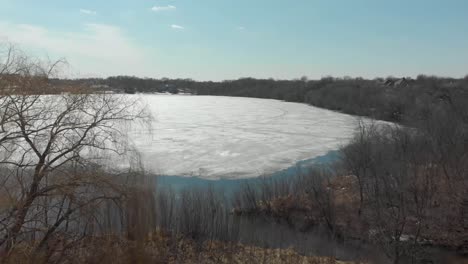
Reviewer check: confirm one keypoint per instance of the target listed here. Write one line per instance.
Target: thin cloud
(88, 12)
(163, 8)
(87, 49)
(240, 28)
(177, 27)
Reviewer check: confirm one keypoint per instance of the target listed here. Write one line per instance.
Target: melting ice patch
(228, 137)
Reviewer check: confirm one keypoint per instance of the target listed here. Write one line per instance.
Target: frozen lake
(230, 137)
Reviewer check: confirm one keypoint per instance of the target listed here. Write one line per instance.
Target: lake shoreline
(179, 183)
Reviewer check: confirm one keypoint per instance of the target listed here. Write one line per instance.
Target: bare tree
(357, 157)
(49, 137)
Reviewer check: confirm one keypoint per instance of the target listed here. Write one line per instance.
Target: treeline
(391, 99)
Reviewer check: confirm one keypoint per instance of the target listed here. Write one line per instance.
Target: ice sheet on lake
(227, 137)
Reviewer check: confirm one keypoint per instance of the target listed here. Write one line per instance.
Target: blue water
(178, 183)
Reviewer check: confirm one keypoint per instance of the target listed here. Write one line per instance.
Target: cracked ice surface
(229, 137)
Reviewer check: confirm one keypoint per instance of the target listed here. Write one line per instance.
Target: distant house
(402, 82)
(171, 88)
(389, 82)
(130, 90)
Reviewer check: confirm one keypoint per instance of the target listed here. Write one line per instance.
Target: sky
(230, 39)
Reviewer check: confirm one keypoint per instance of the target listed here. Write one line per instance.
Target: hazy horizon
(222, 40)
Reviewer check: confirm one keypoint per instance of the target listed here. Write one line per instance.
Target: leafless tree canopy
(49, 138)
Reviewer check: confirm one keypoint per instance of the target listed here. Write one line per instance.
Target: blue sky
(228, 39)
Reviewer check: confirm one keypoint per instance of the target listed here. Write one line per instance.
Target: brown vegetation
(160, 248)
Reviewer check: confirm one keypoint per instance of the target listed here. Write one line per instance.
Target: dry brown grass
(160, 248)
